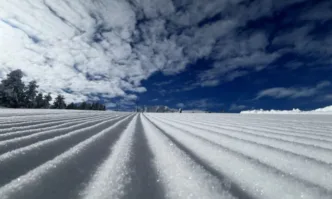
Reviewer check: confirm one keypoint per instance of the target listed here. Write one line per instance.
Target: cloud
(66, 44)
(293, 92)
(237, 56)
(243, 51)
(328, 97)
(320, 11)
(236, 107)
(164, 83)
(325, 98)
(110, 105)
(180, 105)
(107, 48)
(202, 104)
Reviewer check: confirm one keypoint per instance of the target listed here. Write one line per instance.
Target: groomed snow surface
(100, 155)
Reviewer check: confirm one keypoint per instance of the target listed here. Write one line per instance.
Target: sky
(215, 55)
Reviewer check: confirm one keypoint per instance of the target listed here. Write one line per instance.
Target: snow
(179, 173)
(256, 178)
(325, 110)
(90, 154)
(112, 176)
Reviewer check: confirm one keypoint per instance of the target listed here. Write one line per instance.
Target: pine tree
(71, 106)
(89, 106)
(39, 101)
(83, 106)
(59, 102)
(47, 101)
(30, 94)
(12, 90)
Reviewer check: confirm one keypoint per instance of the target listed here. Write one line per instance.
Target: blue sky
(212, 55)
(291, 70)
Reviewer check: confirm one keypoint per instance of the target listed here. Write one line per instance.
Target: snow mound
(325, 110)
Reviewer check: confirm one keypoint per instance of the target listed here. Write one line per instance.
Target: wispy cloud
(201, 104)
(237, 107)
(328, 97)
(293, 92)
(180, 105)
(164, 83)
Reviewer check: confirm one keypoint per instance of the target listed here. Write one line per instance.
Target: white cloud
(107, 47)
(293, 92)
(238, 56)
(63, 53)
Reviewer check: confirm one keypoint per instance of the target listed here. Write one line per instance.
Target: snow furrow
(181, 176)
(49, 117)
(313, 152)
(45, 150)
(79, 161)
(289, 163)
(113, 175)
(311, 127)
(325, 144)
(39, 124)
(60, 154)
(309, 131)
(27, 132)
(249, 174)
(17, 134)
(289, 132)
(145, 181)
(19, 142)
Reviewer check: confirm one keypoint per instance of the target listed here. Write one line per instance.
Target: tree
(89, 106)
(83, 106)
(71, 106)
(12, 90)
(59, 102)
(99, 107)
(47, 101)
(30, 94)
(39, 101)
(94, 106)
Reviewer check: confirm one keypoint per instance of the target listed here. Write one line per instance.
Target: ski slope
(57, 154)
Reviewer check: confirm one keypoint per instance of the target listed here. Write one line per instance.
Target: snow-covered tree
(39, 101)
(59, 102)
(47, 101)
(12, 90)
(83, 106)
(30, 94)
(71, 106)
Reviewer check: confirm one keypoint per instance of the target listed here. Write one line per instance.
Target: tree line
(15, 94)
